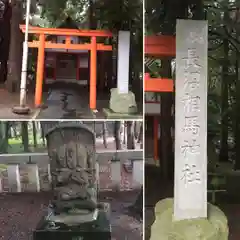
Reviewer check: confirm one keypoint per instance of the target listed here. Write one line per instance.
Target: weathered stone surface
(122, 102)
(71, 149)
(97, 229)
(190, 178)
(109, 114)
(164, 228)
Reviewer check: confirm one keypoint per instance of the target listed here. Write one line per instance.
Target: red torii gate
(161, 46)
(42, 44)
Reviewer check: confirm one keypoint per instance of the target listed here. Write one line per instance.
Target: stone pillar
(122, 101)
(138, 172)
(33, 178)
(123, 61)
(190, 183)
(14, 183)
(116, 174)
(189, 216)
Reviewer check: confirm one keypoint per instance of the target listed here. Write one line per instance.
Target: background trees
(106, 14)
(29, 136)
(223, 76)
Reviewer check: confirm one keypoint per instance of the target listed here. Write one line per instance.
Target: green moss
(165, 228)
(3, 167)
(122, 102)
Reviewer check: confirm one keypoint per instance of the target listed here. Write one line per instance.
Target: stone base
(122, 102)
(73, 219)
(113, 115)
(98, 229)
(215, 227)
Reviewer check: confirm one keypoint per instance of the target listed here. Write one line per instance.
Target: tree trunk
(166, 123)
(175, 9)
(237, 122)
(15, 55)
(140, 135)
(109, 62)
(5, 29)
(124, 132)
(130, 135)
(34, 134)
(117, 135)
(4, 136)
(223, 155)
(25, 139)
(43, 137)
(104, 134)
(135, 129)
(92, 18)
(114, 61)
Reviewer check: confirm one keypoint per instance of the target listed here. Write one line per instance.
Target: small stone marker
(138, 173)
(97, 174)
(33, 177)
(14, 183)
(44, 174)
(190, 189)
(49, 174)
(116, 174)
(123, 61)
(126, 175)
(122, 101)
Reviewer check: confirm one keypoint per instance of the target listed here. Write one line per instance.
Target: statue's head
(72, 145)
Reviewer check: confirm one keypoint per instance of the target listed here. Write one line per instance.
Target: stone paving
(71, 101)
(66, 104)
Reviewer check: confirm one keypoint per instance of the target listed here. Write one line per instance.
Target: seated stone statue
(71, 149)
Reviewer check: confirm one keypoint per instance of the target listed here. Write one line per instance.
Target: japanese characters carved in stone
(71, 149)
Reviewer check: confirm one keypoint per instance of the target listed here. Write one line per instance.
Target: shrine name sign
(190, 189)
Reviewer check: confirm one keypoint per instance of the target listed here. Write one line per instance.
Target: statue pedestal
(121, 105)
(96, 229)
(215, 227)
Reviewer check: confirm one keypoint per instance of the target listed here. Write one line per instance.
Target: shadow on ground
(20, 213)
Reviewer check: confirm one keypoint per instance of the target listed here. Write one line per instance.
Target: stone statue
(71, 149)
(74, 212)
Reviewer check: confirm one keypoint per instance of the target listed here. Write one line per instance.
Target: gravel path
(19, 214)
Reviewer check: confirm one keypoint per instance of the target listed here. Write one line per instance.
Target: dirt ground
(61, 101)
(20, 213)
(231, 207)
(10, 100)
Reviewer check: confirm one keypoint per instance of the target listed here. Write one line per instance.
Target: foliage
(56, 11)
(122, 15)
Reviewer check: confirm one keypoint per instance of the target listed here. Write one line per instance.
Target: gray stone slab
(190, 190)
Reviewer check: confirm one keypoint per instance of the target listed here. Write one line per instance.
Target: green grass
(16, 145)
(3, 167)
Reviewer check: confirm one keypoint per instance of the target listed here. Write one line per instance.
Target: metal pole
(22, 108)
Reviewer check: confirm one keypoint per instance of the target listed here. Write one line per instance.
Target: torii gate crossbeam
(41, 44)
